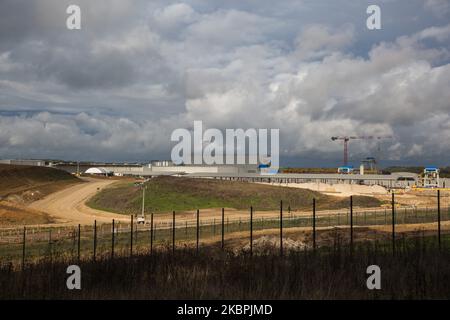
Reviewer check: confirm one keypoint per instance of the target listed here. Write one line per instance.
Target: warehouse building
(29, 162)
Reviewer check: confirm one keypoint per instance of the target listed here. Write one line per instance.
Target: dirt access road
(68, 205)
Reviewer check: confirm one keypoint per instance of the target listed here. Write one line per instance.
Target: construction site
(367, 173)
(86, 189)
(49, 216)
(94, 213)
(86, 180)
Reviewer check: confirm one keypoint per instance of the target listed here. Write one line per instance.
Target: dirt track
(68, 206)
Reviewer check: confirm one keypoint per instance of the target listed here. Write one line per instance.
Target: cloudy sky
(116, 89)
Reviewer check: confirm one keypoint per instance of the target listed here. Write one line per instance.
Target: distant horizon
(284, 164)
(117, 83)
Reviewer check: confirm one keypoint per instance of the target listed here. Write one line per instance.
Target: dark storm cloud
(139, 69)
(88, 71)
(17, 21)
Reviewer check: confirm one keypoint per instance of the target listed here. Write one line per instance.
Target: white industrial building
(99, 171)
(251, 173)
(169, 167)
(29, 162)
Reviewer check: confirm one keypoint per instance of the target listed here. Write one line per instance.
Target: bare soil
(68, 207)
(13, 214)
(22, 185)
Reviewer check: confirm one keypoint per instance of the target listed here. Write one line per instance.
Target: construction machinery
(430, 177)
(346, 139)
(346, 170)
(369, 165)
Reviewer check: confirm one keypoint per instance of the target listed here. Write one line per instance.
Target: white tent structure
(98, 171)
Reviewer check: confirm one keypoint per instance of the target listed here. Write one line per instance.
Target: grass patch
(164, 194)
(418, 270)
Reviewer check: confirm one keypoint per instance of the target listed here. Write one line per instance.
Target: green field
(164, 194)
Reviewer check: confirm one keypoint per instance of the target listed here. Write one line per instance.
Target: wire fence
(117, 238)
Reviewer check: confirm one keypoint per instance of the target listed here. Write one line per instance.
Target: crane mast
(346, 139)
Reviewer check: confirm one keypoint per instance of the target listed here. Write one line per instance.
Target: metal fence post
(131, 237)
(251, 231)
(151, 233)
(95, 239)
(50, 243)
(281, 227)
(393, 222)
(136, 234)
(79, 242)
(112, 239)
(23, 247)
(439, 217)
(351, 223)
(314, 224)
(173, 232)
(198, 229)
(223, 228)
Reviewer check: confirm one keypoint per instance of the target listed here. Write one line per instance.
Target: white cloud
(393, 87)
(226, 28)
(318, 40)
(121, 87)
(416, 150)
(174, 15)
